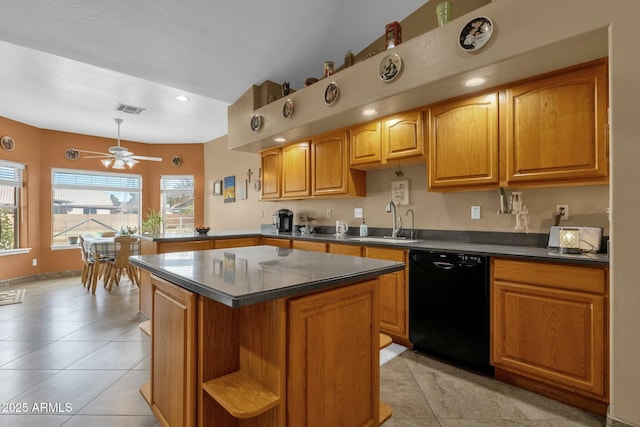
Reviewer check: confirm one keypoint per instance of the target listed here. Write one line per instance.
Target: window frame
(12, 175)
(164, 190)
(137, 178)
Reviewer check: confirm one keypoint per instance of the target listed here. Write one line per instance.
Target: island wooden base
(302, 361)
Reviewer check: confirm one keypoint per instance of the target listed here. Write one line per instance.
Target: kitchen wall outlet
(564, 212)
(358, 213)
(475, 212)
(34, 262)
(328, 213)
(261, 213)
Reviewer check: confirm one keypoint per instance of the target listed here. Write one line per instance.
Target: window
(10, 186)
(86, 202)
(177, 202)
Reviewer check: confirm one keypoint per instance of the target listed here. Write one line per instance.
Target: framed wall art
(229, 189)
(400, 192)
(217, 187)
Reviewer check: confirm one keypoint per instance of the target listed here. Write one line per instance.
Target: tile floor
(73, 359)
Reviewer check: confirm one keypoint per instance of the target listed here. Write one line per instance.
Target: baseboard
(40, 276)
(614, 422)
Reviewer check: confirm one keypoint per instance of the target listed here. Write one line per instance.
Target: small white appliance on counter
(590, 238)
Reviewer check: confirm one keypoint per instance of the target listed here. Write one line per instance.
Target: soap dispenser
(363, 229)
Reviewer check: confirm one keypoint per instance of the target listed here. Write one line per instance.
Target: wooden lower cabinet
(394, 295)
(333, 358)
(173, 355)
(272, 364)
(549, 330)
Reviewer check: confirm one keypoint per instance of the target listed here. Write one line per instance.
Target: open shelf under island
(265, 336)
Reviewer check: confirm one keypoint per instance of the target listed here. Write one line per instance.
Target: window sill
(15, 251)
(64, 247)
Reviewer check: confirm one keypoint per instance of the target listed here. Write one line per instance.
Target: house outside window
(10, 191)
(86, 202)
(177, 201)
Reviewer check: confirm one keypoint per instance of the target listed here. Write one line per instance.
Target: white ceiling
(66, 64)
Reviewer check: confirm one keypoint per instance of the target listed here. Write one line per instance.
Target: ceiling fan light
(106, 162)
(131, 163)
(118, 164)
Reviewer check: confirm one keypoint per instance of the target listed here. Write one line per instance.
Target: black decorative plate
(256, 122)
(331, 93)
(476, 33)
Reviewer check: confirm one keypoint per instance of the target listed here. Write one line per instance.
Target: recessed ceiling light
(182, 98)
(476, 81)
(280, 139)
(369, 112)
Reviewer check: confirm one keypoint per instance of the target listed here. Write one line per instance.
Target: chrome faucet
(413, 232)
(391, 207)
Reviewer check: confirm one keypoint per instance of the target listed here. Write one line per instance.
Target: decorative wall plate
(287, 108)
(390, 67)
(476, 33)
(331, 93)
(256, 122)
(7, 143)
(176, 161)
(71, 154)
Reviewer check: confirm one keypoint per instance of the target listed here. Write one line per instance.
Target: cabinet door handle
(443, 265)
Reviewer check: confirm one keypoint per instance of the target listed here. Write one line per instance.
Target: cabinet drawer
(385, 253)
(310, 246)
(573, 277)
(270, 241)
(353, 250)
(199, 245)
(235, 243)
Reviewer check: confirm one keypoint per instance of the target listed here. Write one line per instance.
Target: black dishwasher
(449, 307)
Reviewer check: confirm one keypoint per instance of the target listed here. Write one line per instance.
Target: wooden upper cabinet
(555, 128)
(271, 169)
(366, 144)
(402, 136)
(330, 171)
(296, 173)
(463, 143)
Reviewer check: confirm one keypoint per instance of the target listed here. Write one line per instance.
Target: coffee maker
(284, 220)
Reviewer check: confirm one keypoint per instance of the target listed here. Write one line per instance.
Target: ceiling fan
(118, 156)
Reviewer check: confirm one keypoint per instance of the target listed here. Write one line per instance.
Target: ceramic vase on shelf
(443, 11)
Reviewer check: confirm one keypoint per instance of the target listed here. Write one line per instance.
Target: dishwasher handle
(444, 265)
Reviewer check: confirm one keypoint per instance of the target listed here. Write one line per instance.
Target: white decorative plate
(476, 33)
(71, 154)
(7, 143)
(287, 108)
(390, 67)
(331, 93)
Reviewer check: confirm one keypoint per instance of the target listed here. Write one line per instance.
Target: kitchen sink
(383, 240)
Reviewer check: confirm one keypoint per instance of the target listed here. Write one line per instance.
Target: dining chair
(87, 264)
(120, 265)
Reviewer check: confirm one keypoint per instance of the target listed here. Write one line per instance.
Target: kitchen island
(264, 336)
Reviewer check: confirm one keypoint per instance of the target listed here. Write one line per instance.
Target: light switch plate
(475, 212)
(358, 213)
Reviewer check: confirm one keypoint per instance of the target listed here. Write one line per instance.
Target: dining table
(101, 249)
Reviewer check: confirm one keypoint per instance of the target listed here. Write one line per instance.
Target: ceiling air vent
(129, 109)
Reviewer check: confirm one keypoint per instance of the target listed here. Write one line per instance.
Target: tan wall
(434, 211)
(43, 150)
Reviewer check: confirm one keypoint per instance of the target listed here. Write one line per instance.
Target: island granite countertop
(253, 274)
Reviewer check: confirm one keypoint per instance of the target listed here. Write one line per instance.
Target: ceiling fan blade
(153, 159)
(103, 156)
(93, 152)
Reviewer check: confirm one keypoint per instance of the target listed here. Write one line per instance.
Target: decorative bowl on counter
(203, 230)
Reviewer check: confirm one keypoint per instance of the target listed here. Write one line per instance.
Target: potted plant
(153, 223)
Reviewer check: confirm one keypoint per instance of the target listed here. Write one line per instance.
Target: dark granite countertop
(248, 275)
(491, 249)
